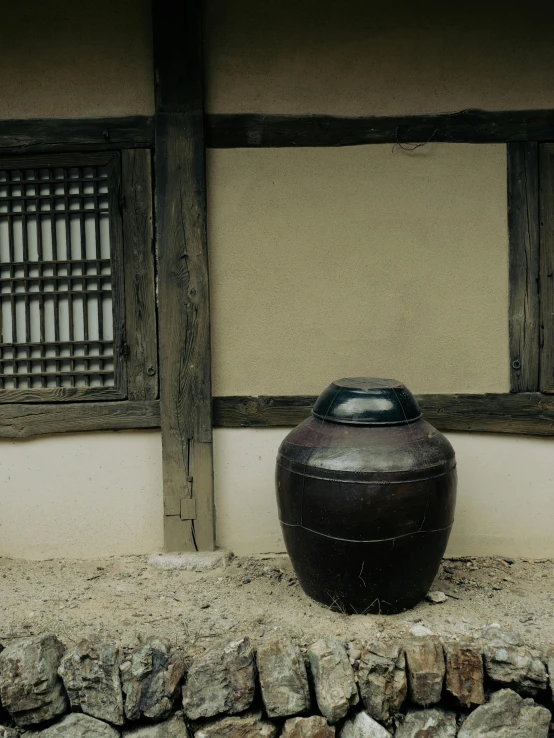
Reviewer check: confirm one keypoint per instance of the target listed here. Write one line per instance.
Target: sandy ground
(126, 599)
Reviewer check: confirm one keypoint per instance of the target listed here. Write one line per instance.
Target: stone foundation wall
(492, 687)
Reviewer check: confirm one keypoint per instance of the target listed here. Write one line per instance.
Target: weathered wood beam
(183, 295)
(138, 263)
(24, 420)
(525, 413)
(46, 135)
(546, 218)
(524, 266)
(245, 130)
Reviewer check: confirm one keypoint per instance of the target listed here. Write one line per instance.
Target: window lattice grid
(55, 278)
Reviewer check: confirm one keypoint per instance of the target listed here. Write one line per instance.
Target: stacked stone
(423, 687)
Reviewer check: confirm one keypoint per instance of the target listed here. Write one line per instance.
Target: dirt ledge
(125, 599)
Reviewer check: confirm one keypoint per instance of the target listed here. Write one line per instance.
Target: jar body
(366, 511)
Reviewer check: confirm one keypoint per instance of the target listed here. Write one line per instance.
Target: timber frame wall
(178, 136)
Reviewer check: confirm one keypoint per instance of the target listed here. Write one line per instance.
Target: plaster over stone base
(81, 495)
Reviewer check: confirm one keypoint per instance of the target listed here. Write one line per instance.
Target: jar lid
(367, 401)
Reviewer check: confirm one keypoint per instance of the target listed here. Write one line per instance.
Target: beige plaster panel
(505, 504)
(68, 59)
(81, 496)
(356, 57)
(359, 261)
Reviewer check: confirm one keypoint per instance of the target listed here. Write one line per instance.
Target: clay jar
(366, 491)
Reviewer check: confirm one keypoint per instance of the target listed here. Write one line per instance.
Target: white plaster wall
(358, 261)
(83, 495)
(355, 57)
(505, 493)
(67, 59)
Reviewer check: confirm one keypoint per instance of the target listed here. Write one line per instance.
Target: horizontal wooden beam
(229, 131)
(76, 134)
(263, 411)
(22, 421)
(525, 413)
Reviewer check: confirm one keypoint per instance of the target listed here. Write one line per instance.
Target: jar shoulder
(358, 449)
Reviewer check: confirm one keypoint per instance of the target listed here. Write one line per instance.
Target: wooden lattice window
(61, 279)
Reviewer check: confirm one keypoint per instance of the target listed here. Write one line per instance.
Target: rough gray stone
(420, 630)
(191, 560)
(362, 725)
(507, 715)
(310, 727)
(382, 680)
(426, 669)
(30, 688)
(90, 673)
(220, 681)
(355, 649)
(245, 726)
(550, 667)
(283, 678)
(8, 732)
(79, 726)
(173, 728)
(435, 723)
(335, 686)
(513, 664)
(150, 678)
(464, 672)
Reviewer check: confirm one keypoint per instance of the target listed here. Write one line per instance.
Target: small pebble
(420, 630)
(436, 597)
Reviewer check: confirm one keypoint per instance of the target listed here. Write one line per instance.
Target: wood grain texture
(262, 411)
(23, 421)
(140, 287)
(524, 413)
(75, 134)
(117, 273)
(183, 291)
(546, 164)
(467, 126)
(524, 266)
(61, 394)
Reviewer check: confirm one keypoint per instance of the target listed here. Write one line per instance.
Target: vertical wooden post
(546, 198)
(140, 288)
(523, 230)
(183, 294)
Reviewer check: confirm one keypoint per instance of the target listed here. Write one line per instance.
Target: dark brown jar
(366, 491)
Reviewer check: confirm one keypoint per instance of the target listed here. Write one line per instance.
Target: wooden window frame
(112, 162)
(30, 412)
